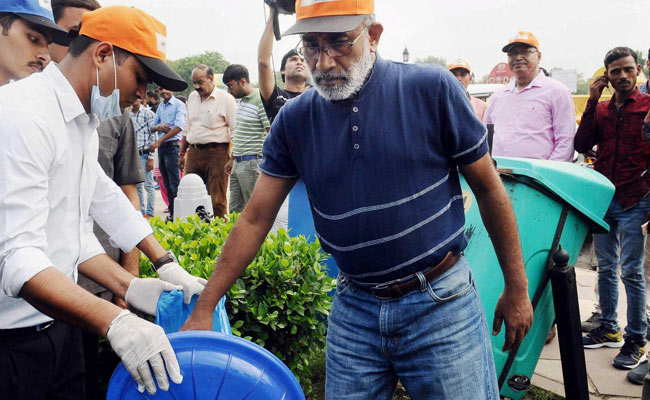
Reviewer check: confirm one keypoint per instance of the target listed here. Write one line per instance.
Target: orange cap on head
(137, 32)
(522, 37)
(329, 15)
(460, 64)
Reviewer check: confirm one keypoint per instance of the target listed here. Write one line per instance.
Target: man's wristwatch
(166, 259)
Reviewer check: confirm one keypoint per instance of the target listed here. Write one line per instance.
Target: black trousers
(46, 365)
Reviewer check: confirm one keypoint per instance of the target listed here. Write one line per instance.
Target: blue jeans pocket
(452, 284)
(342, 284)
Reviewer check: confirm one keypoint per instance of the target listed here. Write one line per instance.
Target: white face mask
(105, 107)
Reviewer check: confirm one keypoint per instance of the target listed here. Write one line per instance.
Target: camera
(283, 6)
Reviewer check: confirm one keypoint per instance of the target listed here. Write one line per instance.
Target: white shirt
(51, 189)
(211, 120)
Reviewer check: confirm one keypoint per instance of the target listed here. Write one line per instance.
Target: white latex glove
(142, 345)
(143, 293)
(174, 273)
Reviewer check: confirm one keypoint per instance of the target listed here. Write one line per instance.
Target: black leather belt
(398, 289)
(200, 146)
(29, 330)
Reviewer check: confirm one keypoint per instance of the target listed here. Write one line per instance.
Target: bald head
(203, 80)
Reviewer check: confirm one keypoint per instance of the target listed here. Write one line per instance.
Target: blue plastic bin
(216, 366)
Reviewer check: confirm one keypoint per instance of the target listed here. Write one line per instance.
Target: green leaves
(280, 302)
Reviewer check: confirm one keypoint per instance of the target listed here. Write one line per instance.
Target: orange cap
(522, 37)
(330, 15)
(460, 64)
(137, 32)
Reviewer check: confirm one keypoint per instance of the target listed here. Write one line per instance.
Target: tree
(583, 84)
(184, 66)
(432, 60)
(641, 59)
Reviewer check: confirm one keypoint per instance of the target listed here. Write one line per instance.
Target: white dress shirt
(51, 189)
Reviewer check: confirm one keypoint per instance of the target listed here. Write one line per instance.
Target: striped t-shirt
(381, 168)
(251, 126)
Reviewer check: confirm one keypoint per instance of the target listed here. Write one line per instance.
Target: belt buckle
(382, 286)
(43, 326)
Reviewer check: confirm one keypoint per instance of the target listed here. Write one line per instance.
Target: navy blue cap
(38, 12)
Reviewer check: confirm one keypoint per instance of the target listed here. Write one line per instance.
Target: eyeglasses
(336, 49)
(523, 52)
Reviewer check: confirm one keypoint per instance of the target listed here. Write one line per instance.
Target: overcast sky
(572, 33)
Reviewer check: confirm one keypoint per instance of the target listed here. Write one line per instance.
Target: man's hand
(155, 145)
(181, 161)
(515, 308)
(198, 323)
(143, 294)
(229, 165)
(164, 128)
(174, 273)
(149, 164)
(597, 86)
(143, 347)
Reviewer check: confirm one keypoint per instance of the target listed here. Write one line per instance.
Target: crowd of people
(379, 146)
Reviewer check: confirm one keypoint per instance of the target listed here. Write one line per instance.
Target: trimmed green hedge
(281, 301)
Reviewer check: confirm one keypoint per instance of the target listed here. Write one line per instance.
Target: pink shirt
(479, 107)
(537, 122)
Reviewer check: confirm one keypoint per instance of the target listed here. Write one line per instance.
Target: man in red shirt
(616, 126)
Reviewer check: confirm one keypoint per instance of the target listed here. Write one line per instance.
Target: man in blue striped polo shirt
(379, 145)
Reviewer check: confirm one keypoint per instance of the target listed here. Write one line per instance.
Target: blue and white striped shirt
(142, 122)
(380, 168)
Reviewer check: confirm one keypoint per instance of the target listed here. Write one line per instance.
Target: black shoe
(602, 337)
(631, 355)
(637, 374)
(592, 322)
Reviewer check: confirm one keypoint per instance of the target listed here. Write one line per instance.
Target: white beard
(353, 79)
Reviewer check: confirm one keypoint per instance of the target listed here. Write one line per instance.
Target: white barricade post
(192, 194)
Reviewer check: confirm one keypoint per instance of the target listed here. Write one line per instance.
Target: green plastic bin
(539, 191)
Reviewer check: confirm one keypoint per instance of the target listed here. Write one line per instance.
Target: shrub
(280, 302)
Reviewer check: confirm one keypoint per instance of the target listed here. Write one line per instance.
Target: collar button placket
(355, 129)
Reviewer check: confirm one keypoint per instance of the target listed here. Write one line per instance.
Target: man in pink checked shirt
(533, 115)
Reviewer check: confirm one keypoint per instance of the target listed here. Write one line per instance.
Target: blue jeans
(624, 235)
(435, 340)
(148, 187)
(168, 166)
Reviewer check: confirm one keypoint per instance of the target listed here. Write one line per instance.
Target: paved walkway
(605, 381)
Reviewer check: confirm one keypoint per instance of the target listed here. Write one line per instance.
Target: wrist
(168, 258)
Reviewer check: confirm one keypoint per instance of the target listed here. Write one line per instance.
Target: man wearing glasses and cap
(27, 29)
(377, 145)
(533, 115)
(51, 190)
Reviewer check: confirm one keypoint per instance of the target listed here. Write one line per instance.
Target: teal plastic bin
(539, 191)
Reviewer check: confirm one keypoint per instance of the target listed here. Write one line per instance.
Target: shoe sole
(613, 345)
(620, 366)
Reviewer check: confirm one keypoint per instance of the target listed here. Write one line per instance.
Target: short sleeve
(277, 159)
(464, 136)
(269, 104)
(127, 170)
